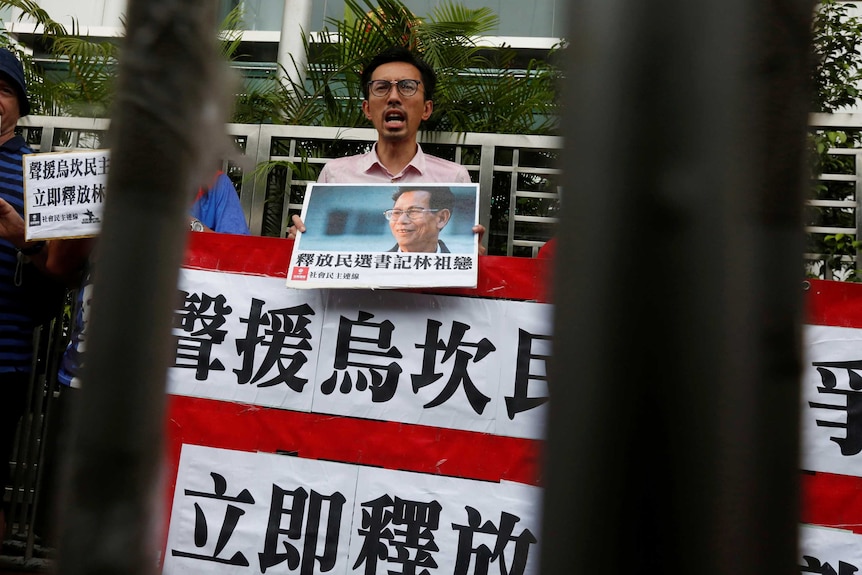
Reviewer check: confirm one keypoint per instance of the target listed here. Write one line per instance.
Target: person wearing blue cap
(16, 311)
(25, 266)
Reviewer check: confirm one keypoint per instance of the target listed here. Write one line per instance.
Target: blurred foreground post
(673, 429)
(164, 113)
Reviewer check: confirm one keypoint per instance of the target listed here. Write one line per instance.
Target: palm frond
(480, 88)
(230, 33)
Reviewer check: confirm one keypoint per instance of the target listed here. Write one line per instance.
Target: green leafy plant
(480, 88)
(835, 75)
(835, 42)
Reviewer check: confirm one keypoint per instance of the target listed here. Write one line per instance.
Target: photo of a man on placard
(387, 235)
(417, 218)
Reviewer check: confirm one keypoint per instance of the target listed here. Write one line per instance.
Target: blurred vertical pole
(673, 430)
(295, 24)
(166, 110)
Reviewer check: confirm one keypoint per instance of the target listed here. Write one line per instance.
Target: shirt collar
(417, 163)
(13, 144)
(439, 251)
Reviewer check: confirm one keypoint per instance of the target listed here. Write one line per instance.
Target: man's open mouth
(393, 116)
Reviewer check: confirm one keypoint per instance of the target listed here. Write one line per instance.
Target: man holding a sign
(399, 90)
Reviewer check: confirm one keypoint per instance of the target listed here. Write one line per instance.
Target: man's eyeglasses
(381, 88)
(412, 213)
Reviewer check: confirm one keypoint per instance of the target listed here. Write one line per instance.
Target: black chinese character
(403, 262)
(813, 565)
(459, 374)
(232, 515)
(400, 532)
(305, 259)
(305, 559)
(49, 173)
(75, 167)
(852, 404)
(484, 555)
(98, 194)
(443, 263)
(382, 261)
(68, 195)
(90, 168)
(287, 330)
(194, 349)
(463, 263)
(324, 261)
(35, 171)
(55, 196)
(424, 262)
(521, 400)
(344, 260)
(358, 351)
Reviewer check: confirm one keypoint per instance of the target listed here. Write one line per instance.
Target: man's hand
(11, 224)
(480, 229)
(297, 226)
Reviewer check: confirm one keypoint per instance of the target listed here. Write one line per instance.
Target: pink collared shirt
(366, 168)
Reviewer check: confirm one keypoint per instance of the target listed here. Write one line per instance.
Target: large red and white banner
(353, 431)
(831, 430)
(382, 431)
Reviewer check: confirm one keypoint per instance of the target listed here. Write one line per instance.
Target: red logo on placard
(300, 274)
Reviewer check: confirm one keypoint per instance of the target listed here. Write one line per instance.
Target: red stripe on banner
(391, 445)
(832, 501)
(387, 444)
(829, 499)
(834, 303)
(256, 255)
(499, 276)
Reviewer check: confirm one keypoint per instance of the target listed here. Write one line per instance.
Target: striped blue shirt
(16, 312)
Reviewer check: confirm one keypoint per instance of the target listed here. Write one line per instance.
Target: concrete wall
(539, 18)
(98, 13)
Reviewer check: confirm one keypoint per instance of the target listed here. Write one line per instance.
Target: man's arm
(65, 259)
(219, 208)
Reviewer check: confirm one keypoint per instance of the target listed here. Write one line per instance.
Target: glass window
(536, 19)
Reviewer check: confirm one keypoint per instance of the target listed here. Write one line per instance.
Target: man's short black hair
(442, 197)
(401, 54)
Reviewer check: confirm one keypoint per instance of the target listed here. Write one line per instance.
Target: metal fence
(518, 174)
(520, 195)
(518, 177)
(834, 212)
(519, 201)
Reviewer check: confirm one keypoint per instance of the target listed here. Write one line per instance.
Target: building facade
(532, 25)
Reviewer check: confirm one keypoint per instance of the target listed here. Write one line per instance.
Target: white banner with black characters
(461, 363)
(829, 551)
(238, 512)
(64, 193)
(524, 409)
(246, 339)
(387, 235)
(831, 395)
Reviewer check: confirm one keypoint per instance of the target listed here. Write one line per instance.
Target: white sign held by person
(387, 236)
(64, 193)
